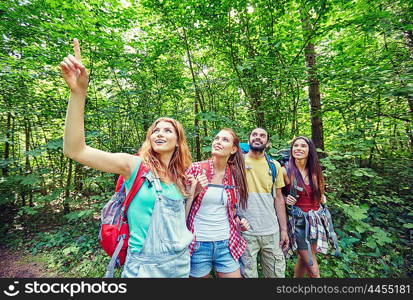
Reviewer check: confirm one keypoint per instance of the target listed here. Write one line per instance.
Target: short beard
(259, 149)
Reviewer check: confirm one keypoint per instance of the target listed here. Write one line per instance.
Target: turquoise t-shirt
(141, 208)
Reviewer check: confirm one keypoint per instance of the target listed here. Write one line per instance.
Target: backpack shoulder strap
(272, 166)
(139, 180)
(293, 184)
(205, 166)
(273, 169)
(119, 183)
(121, 180)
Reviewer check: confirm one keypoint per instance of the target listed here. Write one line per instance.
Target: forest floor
(17, 264)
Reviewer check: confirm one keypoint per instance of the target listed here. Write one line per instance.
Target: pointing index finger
(76, 48)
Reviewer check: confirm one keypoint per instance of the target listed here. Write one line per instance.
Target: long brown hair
(315, 175)
(181, 158)
(236, 163)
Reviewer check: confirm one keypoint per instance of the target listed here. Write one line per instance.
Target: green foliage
(72, 250)
(238, 64)
(27, 210)
(369, 221)
(78, 215)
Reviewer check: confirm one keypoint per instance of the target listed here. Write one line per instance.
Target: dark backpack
(283, 156)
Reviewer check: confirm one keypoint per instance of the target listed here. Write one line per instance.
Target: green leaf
(371, 243)
(358, 173)
(30, 180)
(70, 250)
(360, 228)
(381, 236)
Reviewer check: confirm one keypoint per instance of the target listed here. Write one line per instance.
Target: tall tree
(317, 130)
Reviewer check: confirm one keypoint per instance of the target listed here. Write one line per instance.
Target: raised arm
(74, 145)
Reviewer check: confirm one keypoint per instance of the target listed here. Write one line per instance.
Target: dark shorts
(300, 235)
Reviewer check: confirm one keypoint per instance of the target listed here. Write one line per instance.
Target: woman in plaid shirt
(217, 186)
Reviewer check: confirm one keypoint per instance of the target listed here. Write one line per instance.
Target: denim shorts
(208, 255)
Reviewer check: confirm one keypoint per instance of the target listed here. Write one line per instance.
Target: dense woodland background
(338, 71)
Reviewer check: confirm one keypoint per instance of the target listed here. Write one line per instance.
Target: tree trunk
(409, 41)
(13, 147)
(317, 134)
(66, 207)
(253, 84)
(5, 170)
(294, 121)
(196, 100)
(257, 105)
(250, 91)
(27, 167)
(78, 179)
(202, 107)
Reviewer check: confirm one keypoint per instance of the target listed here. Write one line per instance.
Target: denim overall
(165, 250)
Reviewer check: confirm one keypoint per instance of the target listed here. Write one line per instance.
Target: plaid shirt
(318, 231)
(320, 228)
(237, 243)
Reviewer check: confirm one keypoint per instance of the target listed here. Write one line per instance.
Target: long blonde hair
(181, 158)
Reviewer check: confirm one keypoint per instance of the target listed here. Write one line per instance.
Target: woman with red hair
(159, 238)
(218, 185)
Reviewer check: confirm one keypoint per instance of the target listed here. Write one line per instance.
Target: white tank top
(211, 221)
